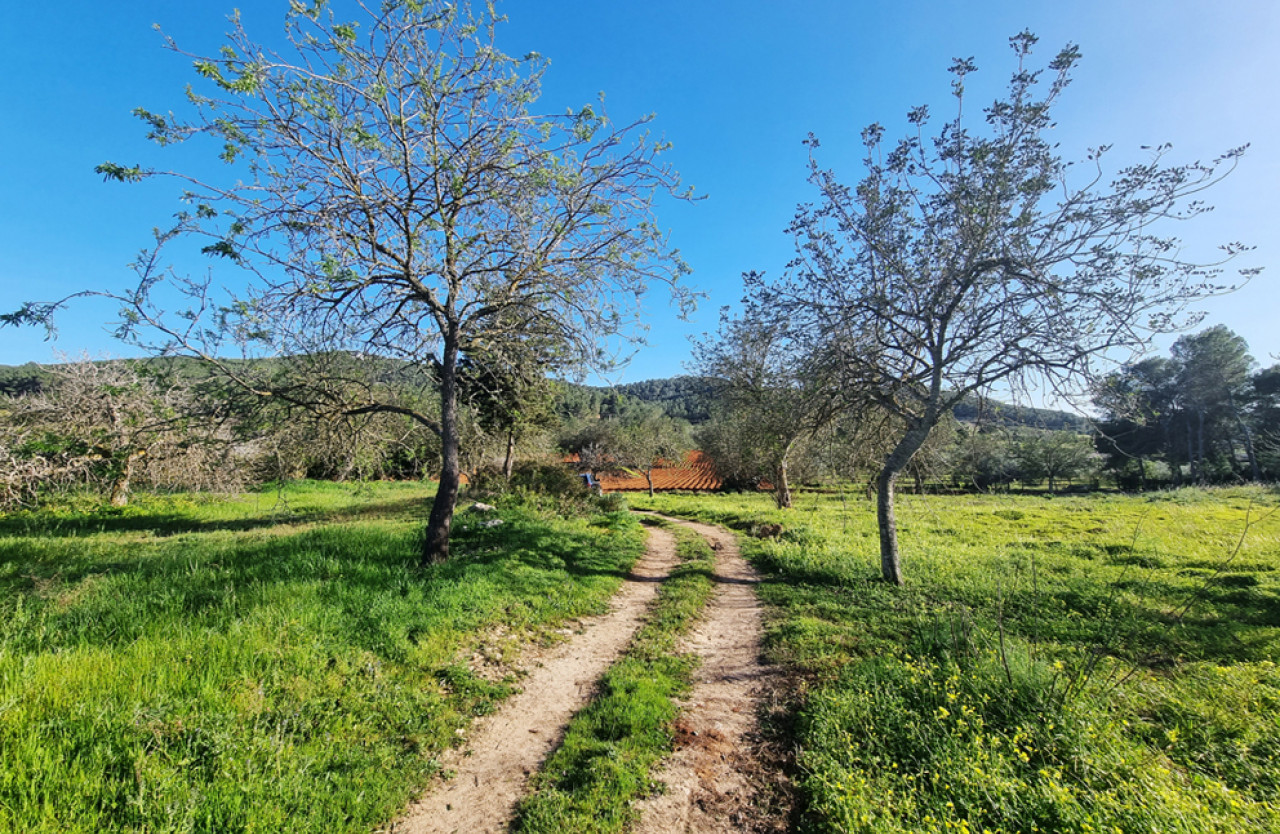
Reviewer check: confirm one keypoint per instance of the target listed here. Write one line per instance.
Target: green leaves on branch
(223, 249)
(112, 171)
(243, 78)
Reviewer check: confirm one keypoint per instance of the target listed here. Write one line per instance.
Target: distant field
(267, 662)
(1093, 663)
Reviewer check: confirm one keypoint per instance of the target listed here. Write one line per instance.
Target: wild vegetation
(972, 256)
(425, 250)
(1092, 663)
(392, 190)
(268, 661)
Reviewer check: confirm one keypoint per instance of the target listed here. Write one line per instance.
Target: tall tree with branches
(976, 259)
(778, 392)
(395, 195)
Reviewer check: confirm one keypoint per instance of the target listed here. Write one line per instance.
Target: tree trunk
(1200, 446)
(124, 480)
(1193, 475)
(508, 465)
(435, 546)
(1142, 474)
(890, 559)
(1255, 473)
(781, 487)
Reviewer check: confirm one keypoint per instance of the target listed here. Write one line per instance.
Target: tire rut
(491, 771)
(722, 776)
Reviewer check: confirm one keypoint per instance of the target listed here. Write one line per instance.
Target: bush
(545, 486)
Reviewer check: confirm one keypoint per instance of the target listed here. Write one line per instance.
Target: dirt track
(715, 778)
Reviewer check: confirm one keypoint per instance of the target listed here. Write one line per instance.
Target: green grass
(611, 747)
(268, 662)
(1092, 663)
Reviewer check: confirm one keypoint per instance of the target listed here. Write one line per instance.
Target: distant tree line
(115, 426)
(1205, 414)
(111, 427)
(749, 453)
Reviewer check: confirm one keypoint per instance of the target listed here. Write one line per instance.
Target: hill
(691, 398)
(685, 397)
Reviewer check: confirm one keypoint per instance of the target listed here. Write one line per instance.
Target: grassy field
(1095, 663)
(268, 662)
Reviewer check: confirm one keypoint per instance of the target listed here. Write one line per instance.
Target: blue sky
(735, 86)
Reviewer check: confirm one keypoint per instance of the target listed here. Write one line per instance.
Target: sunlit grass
(1088, 663)
(268, 662)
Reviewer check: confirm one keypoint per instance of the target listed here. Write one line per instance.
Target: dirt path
(493, 768)
(723, 777)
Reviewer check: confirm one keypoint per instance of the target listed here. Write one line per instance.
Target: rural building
(695, 472)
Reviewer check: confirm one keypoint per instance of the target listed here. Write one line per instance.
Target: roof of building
(695, 472)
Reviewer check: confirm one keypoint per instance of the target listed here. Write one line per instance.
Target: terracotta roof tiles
(695, 472)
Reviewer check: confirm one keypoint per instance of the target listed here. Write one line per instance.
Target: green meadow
(266, 662)
(1091, 663)
(277, 661)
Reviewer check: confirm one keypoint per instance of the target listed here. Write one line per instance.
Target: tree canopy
(971, 257)
(393, 193)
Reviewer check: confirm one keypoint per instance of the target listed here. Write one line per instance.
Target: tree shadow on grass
(366, 576)
(1234, 617)
(121, 520)
(1158, 623)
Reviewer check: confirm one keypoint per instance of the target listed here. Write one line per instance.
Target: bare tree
(646, 444)
(401, 200)
(978, 259)
(779, 393)
(102, 422)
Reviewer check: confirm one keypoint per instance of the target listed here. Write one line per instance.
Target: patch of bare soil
(490, 772)
(727, 774)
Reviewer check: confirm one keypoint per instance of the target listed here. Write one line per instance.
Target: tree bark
(509, 464)
(782, 488)
(1193, 475)
(435, 546)
(1200, 446)
(890, 559)
(1254, 471)
(121, 485)
(648, 476)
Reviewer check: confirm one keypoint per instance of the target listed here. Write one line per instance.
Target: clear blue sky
(735, 86)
